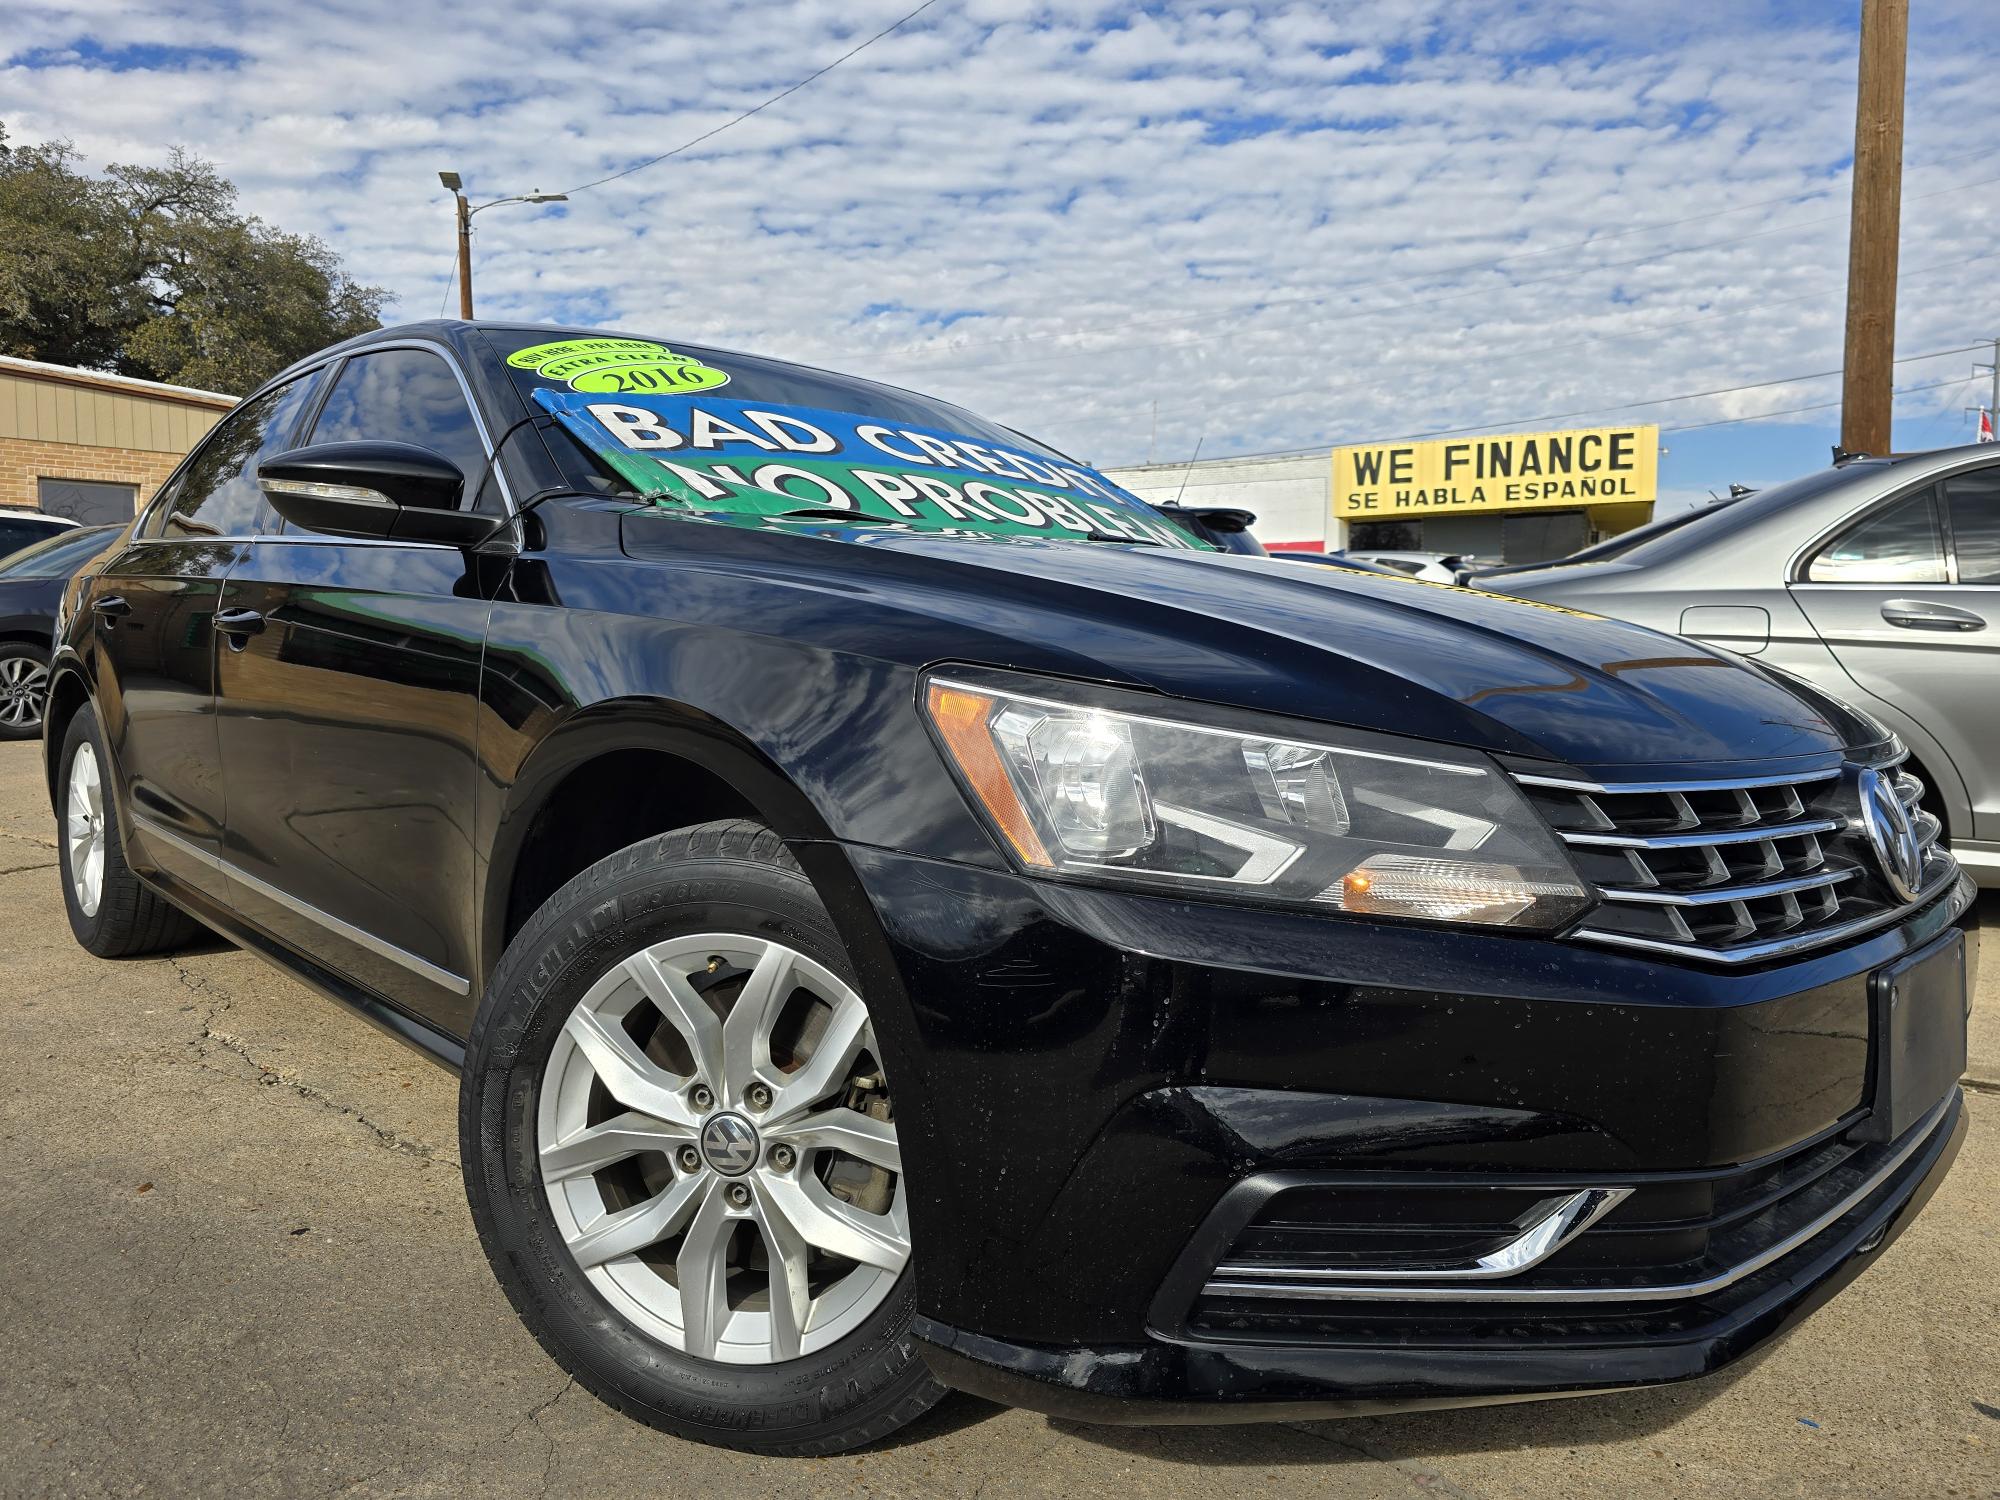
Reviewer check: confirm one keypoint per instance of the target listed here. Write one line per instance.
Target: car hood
(1388, 653)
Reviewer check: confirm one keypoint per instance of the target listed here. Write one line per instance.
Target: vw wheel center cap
(1892, 835)
(729, 1144)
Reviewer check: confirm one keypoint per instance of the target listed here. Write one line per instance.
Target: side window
(1974, 503)
(217, 494)
(405, 396)
(1899, 545)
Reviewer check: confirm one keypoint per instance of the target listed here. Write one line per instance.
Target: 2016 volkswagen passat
(906, 916)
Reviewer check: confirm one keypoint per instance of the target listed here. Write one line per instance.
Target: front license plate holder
(1917, 1015)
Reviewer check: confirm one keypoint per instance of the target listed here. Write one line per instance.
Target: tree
(152, 271)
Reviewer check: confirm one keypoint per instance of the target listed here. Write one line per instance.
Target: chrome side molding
(458, 984)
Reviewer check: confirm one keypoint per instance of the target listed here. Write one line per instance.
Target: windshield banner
(766, 459)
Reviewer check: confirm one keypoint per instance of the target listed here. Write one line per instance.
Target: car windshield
(57, 556)
(734, 437)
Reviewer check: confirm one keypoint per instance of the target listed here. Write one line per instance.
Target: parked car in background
(1223, 527)
(1342, 560)
(1432, 567)
(1473, 571)
(21, 525)
(31, 584)
(904, 914)
(1877, 580)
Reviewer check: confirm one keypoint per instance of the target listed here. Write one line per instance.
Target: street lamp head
(547, 198)
(450, 180)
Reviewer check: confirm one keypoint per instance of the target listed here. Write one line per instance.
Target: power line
(1793, 411)
(1487, 361)
(706, 135)
(1557, 416)
(1253, 308)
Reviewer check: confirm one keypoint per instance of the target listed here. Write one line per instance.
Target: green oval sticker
(618, 366)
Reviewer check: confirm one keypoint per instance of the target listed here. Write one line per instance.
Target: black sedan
(31, 582)
(905, 914)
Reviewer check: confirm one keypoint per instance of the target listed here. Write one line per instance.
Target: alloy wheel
(718, 1146)
(24, 690)
(83, 828)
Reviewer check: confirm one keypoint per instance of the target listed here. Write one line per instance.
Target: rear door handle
(239, 624)
(1921, 614)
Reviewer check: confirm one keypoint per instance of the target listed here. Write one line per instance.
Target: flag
(1985, 426)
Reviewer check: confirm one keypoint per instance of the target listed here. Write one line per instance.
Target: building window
(88, 500)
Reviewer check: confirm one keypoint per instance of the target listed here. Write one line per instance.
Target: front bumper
(1093, 1074)
(1502, 1355)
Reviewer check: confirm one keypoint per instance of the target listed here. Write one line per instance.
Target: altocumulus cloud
(1274, 223)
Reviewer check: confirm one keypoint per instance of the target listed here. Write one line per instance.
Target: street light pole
(464, 257)
(465, 212)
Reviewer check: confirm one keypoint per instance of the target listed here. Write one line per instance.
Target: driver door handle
(1921, 614)
(239, 624)
(111, 607)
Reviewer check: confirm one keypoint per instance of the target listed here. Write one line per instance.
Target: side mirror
(393, 490)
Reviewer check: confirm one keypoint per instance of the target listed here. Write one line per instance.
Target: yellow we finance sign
(1514, 471)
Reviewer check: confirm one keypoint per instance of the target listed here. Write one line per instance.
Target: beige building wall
(61, 423)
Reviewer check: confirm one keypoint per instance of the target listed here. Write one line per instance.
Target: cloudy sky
(1129, 229)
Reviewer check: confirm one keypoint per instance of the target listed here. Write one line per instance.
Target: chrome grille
(1732, 871)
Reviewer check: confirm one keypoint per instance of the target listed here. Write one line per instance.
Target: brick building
(93, 446)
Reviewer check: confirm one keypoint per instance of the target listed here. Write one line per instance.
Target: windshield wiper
(829, 513)
(1096, 535)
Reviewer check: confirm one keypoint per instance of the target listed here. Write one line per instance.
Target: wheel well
(67, 694)
(601, 806)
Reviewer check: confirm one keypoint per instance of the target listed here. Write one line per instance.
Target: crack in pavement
(269, 1075)
(534, 1418)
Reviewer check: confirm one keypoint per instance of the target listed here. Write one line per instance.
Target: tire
(707, 1187)
(24, 690)
(125, 918)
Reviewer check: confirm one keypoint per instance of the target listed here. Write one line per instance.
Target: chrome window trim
(1921, 1136)
(1540, 1238)
(1794, 575)
(381, 947)
(465, 389)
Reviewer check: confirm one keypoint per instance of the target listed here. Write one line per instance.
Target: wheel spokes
(839, 1045)
(746, 1035)
(848, 1130)
(703, 1269)
(634, 1228)
(836, 1227)
(633, 1079)
(678, 1004)
(600, 1146)
(790, 1291)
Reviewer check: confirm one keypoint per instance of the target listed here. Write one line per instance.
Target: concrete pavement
(235, 1258)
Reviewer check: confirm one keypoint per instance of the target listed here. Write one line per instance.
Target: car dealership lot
(237, 1256)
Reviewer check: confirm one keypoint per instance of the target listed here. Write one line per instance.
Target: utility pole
(1993, 407)
(1874, 228)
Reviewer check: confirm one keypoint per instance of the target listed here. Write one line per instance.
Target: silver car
(1878, 580)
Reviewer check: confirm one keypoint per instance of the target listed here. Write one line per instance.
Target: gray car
(1878, 580)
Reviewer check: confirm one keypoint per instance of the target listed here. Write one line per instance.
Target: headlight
(1341, 819)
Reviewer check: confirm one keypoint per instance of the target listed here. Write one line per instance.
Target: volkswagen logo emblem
(729, 1143)
(1891, 835)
